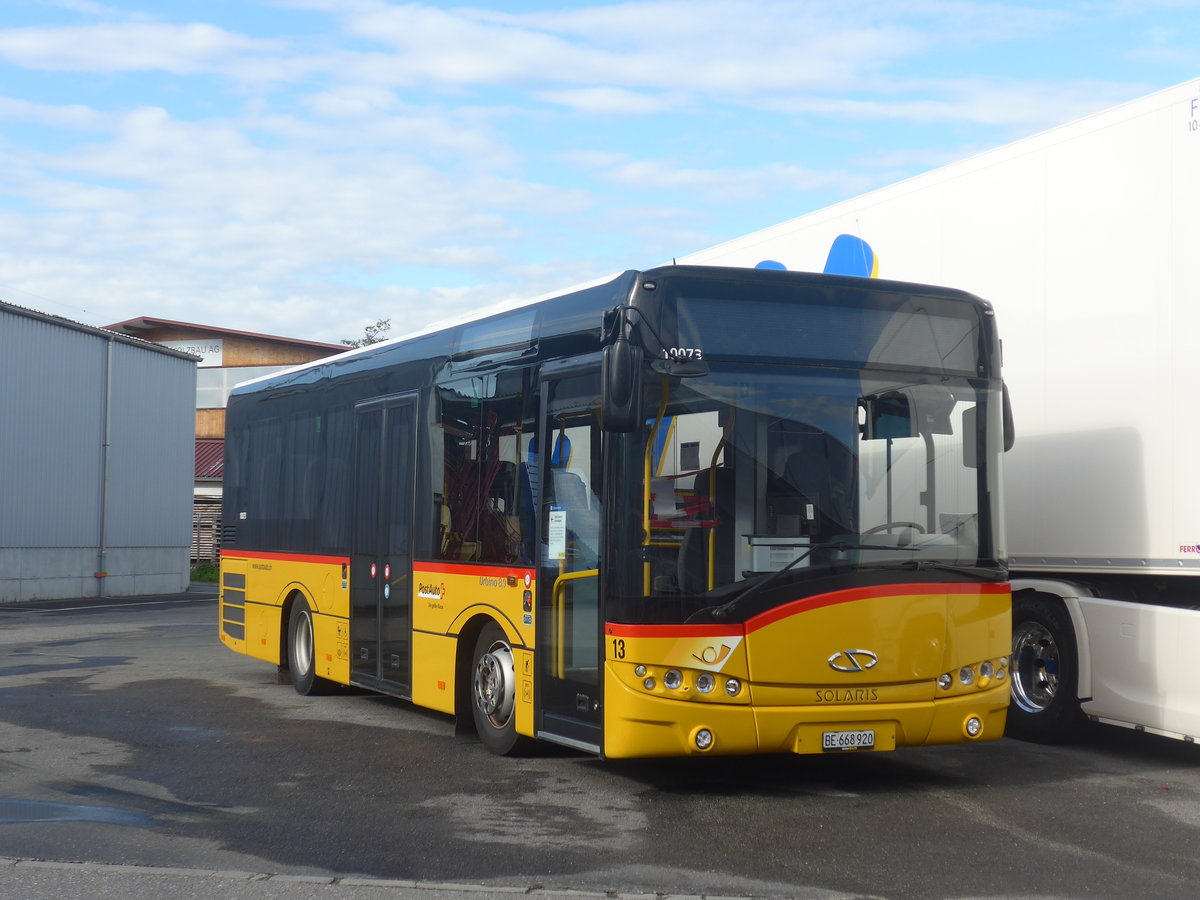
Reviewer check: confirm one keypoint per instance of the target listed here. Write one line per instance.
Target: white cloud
(180, 49)
(415, 161)
(74, 116)
(624, 58)
(199, 214)
(715, 48)
(1017, 107)
(716, 184)
(1167, 46)
(608, 100)
(88, 7)
(721, 48)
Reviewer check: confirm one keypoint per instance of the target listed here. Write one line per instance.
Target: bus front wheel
(1045, 671)
(494, 691)
(302, 658)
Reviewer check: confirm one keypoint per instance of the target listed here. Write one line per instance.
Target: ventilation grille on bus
(233, 605)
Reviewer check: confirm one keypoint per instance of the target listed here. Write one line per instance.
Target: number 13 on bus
(692, 510)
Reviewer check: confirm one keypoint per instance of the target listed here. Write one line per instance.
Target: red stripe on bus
(451, 568)
(286, 557)
(817, 601)
(618, 629)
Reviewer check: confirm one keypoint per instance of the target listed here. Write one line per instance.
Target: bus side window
(483, 508)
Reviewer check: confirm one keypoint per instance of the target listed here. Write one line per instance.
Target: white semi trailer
(1087, 241)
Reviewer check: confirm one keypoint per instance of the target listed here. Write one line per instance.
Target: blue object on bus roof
(850, 255)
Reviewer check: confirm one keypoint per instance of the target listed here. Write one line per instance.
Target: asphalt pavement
(31, 879)
(139, 758)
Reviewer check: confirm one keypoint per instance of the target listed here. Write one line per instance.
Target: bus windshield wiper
(919, 565)
(726, 609)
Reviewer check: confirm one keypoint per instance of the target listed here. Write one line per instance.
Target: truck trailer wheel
(1045, 672)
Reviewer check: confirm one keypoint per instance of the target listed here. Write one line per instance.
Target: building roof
(210, 458)
(143, 324)
(106, 333)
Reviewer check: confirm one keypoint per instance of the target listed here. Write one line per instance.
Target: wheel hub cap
(1035, 667)
(495, 684)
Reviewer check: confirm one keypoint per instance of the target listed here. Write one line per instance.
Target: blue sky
(305, 167)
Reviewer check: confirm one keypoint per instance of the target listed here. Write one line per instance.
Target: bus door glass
(381, 555)
(567, 457)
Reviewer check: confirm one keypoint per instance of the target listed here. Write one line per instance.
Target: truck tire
(1045, 671)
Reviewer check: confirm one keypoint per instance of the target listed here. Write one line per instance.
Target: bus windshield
(793, 474)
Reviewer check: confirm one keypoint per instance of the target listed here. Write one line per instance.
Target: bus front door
(568, 643)
(381, 554)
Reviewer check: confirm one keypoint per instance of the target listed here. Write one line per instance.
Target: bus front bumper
(638, 725)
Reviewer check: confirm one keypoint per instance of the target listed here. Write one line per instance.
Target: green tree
(372, 334)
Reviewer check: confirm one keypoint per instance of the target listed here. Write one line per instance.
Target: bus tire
(302, 655)
(494, 692)
(1045, 672)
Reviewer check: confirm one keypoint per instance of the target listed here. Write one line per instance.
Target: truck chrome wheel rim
(302, 649)
(1035, 667)
(495, 684)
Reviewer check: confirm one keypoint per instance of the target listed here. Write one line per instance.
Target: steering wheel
(888, 526)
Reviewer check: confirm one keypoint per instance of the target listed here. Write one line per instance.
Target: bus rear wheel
(494, 692)
(1045, 672)
(302, 657)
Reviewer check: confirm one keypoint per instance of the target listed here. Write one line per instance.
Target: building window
(213, 385)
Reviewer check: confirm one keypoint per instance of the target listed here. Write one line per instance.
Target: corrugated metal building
(96, 461)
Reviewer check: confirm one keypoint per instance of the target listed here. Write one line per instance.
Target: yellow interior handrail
(647, 479)
(712, 499)
(559, 605)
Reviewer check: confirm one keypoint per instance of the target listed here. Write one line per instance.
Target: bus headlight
(681, 683)
(980, 676)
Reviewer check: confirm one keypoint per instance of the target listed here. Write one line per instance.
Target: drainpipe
(102, 556)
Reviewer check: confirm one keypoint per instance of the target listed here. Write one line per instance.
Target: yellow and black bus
(693, 510)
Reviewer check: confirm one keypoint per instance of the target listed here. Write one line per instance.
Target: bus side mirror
(970, 437)
(621, 386)
(970, 422)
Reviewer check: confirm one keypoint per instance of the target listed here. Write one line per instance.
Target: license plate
(848, 740)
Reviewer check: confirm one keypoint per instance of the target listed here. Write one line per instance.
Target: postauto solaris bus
(691, 510)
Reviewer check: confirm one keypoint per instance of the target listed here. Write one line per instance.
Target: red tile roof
(210, 458)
